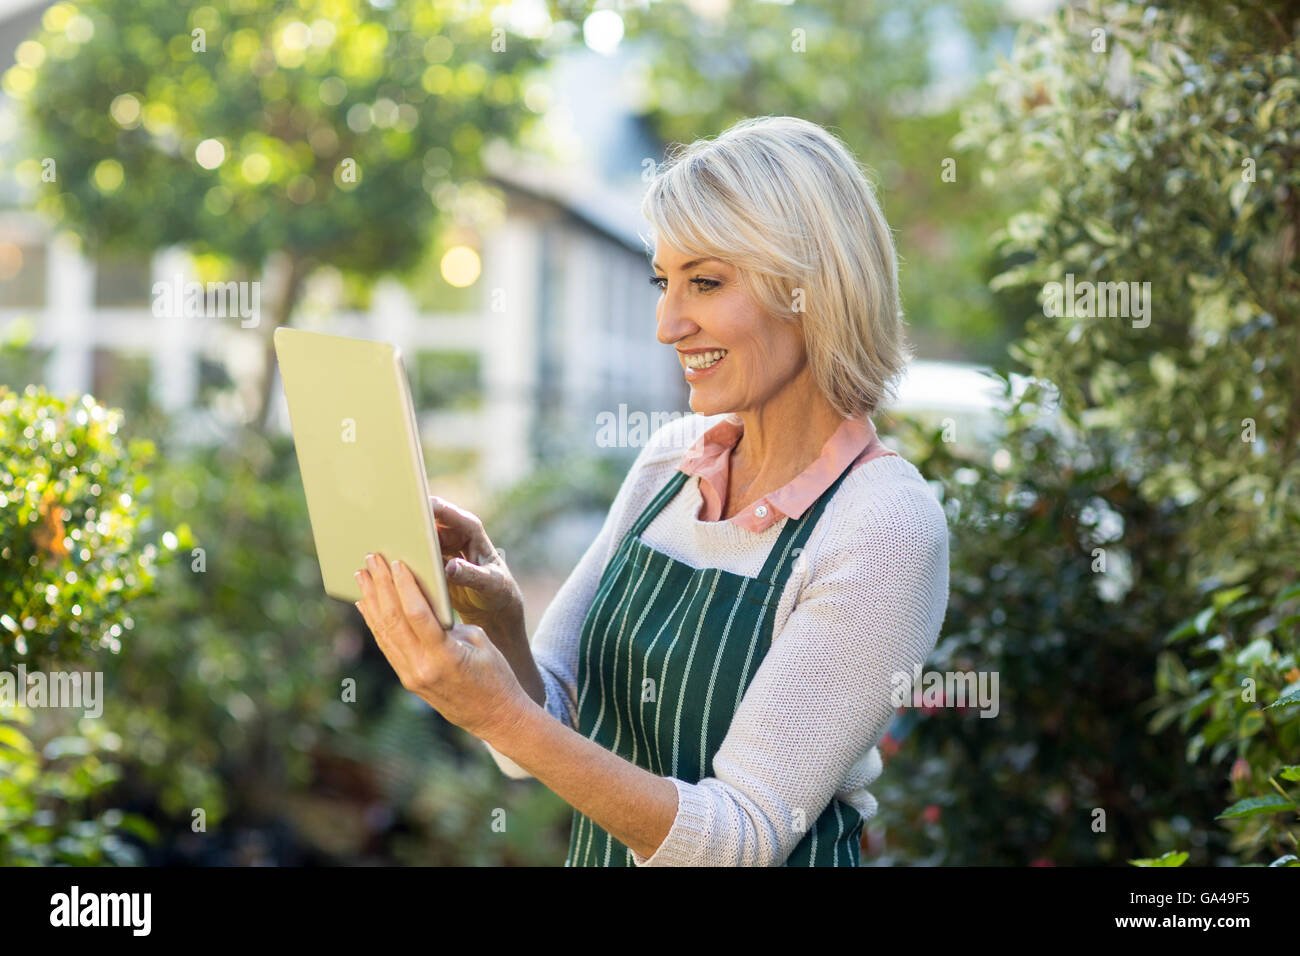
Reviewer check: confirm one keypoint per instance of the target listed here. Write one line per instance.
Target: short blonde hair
(785, 202)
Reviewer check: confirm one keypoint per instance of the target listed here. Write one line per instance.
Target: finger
(367, 608)
(451, 517)
(388, 607)
(476, 547)
(452, 542)
(421, 617)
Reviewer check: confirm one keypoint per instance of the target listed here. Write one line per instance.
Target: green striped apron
(665, 656)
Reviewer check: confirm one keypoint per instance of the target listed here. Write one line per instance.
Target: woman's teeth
(704, 359)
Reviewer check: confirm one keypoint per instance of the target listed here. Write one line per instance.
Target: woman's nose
(673, 325)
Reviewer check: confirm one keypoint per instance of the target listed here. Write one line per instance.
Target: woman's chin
(705, 406)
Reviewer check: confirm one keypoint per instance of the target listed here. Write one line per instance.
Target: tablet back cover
(362, 469)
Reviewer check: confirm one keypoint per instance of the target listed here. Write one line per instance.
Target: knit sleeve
(872, 608)
(555, 642)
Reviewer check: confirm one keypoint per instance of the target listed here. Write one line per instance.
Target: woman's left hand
(459, 672)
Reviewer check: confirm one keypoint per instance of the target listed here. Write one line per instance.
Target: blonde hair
(785, 202)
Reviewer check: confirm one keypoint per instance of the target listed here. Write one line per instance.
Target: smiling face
(734, 356)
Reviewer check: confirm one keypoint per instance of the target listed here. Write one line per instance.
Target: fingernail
(396, 566)
(370, 561)
(357, 575)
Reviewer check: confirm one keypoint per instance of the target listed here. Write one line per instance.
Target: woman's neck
(781, 438)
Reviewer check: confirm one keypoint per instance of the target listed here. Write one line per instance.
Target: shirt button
(760, 511)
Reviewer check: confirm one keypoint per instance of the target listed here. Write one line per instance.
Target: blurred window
(22, 274)
(123, 280)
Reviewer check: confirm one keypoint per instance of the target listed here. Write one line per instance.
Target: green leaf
(140, 826)
(1237, 194)
(1100, 231)
(1202, 620)
(1254, 806)
(1252, 722)
(1257, 651)
(1287, 700)
(1290, 772)
(1172, 858)
(11, 737)
(1223, 598)
(1183, 631)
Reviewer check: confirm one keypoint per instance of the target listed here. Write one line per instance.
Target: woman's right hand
(483, 591)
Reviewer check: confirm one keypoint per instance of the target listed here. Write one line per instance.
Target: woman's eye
(704, 285)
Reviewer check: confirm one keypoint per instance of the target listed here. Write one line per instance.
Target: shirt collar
(709, 458)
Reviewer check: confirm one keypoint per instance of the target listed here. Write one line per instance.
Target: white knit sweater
(865, 601)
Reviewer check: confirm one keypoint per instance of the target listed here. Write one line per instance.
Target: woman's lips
(695, 374)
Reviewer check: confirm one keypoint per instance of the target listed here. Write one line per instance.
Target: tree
(321, 132)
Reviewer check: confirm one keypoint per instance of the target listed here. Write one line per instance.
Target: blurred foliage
(1168, 158)
(225, 689)
(75, 500)
(1242, 699)
(122, 92)
(518, 517)
(445, 380)
(235, 674)
(266, 135)
(1143, 155)
(876, 76)
(75, 518)
(263, 702)
(43, 793)
(1074, 652)
(453, 805)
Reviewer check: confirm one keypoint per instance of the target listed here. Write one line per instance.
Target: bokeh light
(460, 266)
(210, 154)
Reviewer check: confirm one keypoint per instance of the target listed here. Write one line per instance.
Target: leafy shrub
(1160, 143)
(1063, 581)
(71, 511)
(1242, 700)
(73, 515)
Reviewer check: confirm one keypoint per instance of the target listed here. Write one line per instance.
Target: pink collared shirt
(710, 458)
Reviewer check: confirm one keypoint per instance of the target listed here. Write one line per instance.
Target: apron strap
(795, 535)
(666, 493)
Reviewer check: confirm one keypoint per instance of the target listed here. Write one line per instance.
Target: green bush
(1161, 143)
(72, 506)
(1063, 581)
(235, 704)
(1241, 699)
(74, 516)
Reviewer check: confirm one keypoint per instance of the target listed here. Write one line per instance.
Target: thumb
(464, 574)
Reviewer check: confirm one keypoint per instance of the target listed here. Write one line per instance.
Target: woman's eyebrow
(687, 265)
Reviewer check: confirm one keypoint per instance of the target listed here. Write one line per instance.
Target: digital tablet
(358, 448)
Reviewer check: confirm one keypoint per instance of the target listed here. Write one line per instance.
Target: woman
(710, 683)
